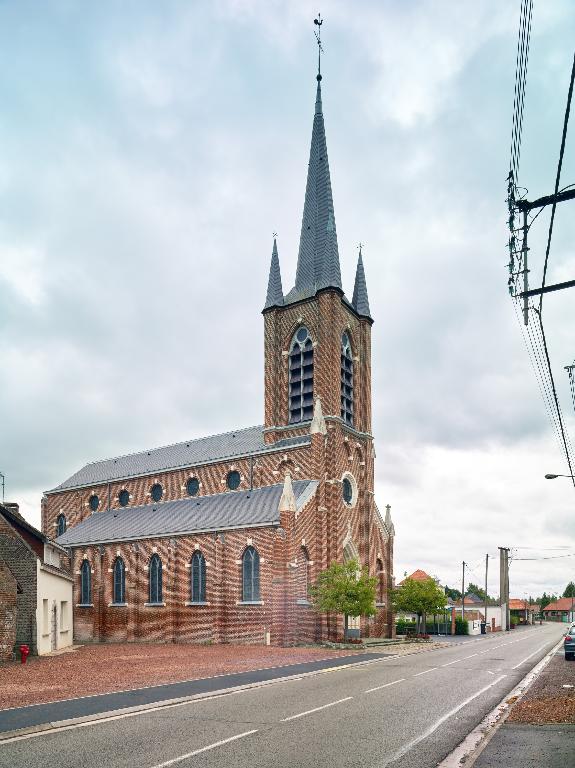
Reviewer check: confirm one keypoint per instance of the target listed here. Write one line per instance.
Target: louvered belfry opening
(301, 377)
(346, 381)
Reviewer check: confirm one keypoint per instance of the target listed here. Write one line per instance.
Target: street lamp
(553, 477)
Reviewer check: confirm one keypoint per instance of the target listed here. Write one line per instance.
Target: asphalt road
(408, 711)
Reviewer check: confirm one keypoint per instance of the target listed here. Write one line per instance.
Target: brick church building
(217, 539)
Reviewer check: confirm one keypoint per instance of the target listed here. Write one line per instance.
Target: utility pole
(525, 250)
(504, 587)
(463, 592)
(486, 567)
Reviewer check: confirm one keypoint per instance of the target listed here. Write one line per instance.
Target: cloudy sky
(147, 153)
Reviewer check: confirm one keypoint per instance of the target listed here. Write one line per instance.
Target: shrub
(461, 626)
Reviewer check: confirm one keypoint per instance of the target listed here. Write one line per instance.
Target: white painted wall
(53, 592)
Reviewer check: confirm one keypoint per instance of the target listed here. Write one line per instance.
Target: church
(217, 539)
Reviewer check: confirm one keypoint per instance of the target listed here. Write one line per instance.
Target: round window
(124, 498)
(301, 335)
(347, 490)
(233, 480)
(157, 492)
(193, 486)
(94, 502)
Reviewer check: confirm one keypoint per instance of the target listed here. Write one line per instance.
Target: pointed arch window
(380, 580)
(119, 587)
(85, 583)
(198, 578)
(304, 581)
(250, 575)
(301, 377)
(155, 579)
(346, 381)
(60, 525)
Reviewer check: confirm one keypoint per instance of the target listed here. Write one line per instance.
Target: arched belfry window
(301, 377)
(155, 579)
(119, 592)
(198, 578)
(85, 583)
(250, 575)
(346, 381)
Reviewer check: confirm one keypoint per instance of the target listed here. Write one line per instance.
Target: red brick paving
(104, 668)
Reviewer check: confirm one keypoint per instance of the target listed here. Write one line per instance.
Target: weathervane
(360, 246)
(318, 22)
(275, 234)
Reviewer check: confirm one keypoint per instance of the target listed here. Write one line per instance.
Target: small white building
(36, 587)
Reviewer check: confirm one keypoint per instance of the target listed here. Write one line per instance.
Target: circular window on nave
(233, 480)
(124, 498)
(157, 492)
(93, 502)
(193, 486)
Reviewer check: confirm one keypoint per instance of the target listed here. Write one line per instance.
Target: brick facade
(21, 561)
(326, 529)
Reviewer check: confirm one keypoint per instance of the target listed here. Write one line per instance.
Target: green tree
(475, 589)
(419, 597)
(454, 594)
(569, 590)
(345, 589)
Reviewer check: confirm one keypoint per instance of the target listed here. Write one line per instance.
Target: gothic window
(346, 381)
(193, 486)
(119, 595)
(94, 502)
(198, 578)
(250, 575)
(233, 480)
(124, 498)
(157, 492)
(380, 584)
(155, 579)
(60, 525)
(347, 490)
(301, 377)
(304, 581)
(85, 583)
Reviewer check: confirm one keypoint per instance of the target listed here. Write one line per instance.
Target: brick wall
(22, 563)
(8, 612)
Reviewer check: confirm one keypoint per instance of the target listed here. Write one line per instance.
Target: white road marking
(528, 657)
(379, 687)
(204, 749)
(407, 747)
(425, 671)
(309, 711)
(449, 663)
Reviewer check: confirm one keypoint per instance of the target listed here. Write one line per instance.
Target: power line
(557, 178)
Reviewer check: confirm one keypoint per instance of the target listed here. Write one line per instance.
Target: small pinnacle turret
(287, 501)
(275, 297)
(360, 300)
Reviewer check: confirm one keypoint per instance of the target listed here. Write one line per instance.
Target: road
(408, 711)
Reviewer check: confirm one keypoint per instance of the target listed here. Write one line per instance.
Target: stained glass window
(198, 578)
(155, 579)
(124, 498)
(60, 525)
(233, 480)
(119, 595)
(250, 575)
(193, 486)
(157, 492)
(86, 583)
(94, 502)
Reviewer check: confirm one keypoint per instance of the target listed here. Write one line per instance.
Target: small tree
(569, 590)
(345, 589)
(419, 597)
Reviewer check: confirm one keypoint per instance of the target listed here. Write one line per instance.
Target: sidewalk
(540, 730)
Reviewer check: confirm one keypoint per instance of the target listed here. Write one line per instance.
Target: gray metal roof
(318, 259)
(360, 298)
(191, 453)
(223, 511)
(275, 296)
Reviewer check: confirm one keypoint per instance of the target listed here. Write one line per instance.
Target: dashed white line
(407, 747)
(309, 711)
(204, 749)
(379, 687)
(528, 657)
(425, 671)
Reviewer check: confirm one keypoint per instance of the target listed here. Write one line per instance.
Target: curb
(477, 740)
(20, 734)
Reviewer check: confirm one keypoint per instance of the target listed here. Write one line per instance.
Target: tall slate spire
(360, 300)
(275, 296)
(318, 258)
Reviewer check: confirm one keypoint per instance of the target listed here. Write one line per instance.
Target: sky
(149, 150)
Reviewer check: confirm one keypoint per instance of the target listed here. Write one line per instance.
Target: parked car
(569, 643)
